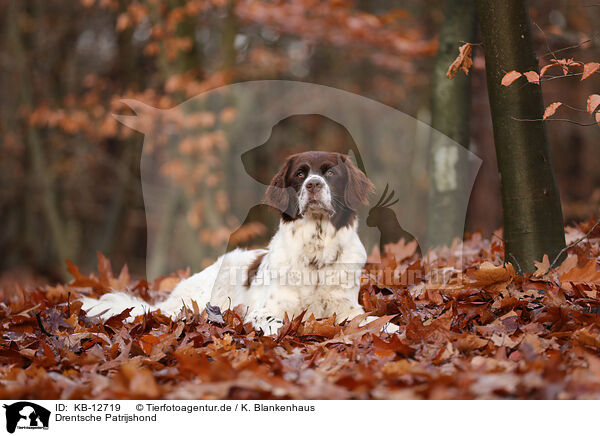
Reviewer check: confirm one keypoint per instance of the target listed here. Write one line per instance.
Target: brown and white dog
(312, 263)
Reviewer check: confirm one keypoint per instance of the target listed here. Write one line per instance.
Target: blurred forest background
(70, 173)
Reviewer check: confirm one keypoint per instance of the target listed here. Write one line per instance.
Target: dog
(313, 263)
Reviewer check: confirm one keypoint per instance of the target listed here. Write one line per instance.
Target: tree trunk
(450, 112)
(37, 149)
(533, 224)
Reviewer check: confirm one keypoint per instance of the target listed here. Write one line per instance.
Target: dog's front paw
(269, 325)
(390, 328)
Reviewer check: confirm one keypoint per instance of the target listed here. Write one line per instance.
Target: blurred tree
(533, 223)
(450, 115)
(42, 184)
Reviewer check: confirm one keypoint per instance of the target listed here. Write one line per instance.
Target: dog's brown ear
(358, 186)
(277, 194)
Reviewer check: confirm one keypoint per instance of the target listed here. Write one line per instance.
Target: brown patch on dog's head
(348, 185)
(358, 186)
(279, 194)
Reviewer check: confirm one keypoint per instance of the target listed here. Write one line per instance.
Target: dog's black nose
(314, 186)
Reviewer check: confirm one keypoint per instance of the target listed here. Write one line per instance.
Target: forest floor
(477, 330)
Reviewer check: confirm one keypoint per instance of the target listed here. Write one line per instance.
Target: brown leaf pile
(476, 330)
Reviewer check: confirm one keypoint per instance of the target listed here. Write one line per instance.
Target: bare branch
(556, 119)
(560, 253)
(567, 48)
(546, 41)
(519, 270)
(472, 43)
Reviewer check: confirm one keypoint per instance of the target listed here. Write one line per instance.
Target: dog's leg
(267, 323)
(268, 305)
(113, 304)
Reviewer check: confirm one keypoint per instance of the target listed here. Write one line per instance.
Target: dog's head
(319, 183)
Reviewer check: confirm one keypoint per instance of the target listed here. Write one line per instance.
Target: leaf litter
(476, 330)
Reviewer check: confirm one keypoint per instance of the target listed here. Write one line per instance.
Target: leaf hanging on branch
(532, 77)
(545, 68)
(592, 103)
(551, 109)
(510, 77)
(463, 62)
(563, 63)
(589, 69)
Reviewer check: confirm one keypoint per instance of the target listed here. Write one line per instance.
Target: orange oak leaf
(541, 267)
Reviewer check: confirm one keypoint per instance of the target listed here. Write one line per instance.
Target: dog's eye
(300, 174)
(330, 173)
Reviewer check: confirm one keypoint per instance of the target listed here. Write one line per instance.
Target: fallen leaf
(401, 250)
(147, 342)
(586, 274)
(541, 267)
(488, 273)
(469, 342)
(214, 314)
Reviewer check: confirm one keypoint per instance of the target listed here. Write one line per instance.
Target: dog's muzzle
(315, 195)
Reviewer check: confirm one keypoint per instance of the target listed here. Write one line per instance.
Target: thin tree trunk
(533, 223)
(157, 256)
(230, 31)
(35, 146)
(450, 112)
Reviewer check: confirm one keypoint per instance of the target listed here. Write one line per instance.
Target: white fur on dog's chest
(311, 265)
(308, 243)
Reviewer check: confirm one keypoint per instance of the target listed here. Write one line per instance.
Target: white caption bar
(294, 417)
